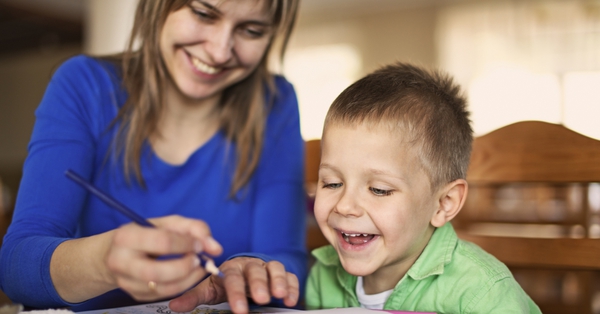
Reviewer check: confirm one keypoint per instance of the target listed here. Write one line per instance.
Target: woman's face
(209, 45)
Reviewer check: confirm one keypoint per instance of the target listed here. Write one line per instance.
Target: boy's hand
(245, 277)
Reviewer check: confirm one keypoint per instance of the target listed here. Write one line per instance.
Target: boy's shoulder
(464, 273)
(455, 260)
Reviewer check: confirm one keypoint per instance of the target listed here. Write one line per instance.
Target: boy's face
(373, 203)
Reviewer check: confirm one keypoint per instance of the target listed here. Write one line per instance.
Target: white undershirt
(371, 301)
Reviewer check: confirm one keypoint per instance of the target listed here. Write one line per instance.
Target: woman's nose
(219, 45)
(348, 205)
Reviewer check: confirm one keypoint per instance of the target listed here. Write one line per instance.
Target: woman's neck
(184, 126)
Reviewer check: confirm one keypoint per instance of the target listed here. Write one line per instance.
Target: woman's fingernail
(198, 247)
(213, 244)
(280, 286)
(240, 305)
(195, 261)
(262, 290)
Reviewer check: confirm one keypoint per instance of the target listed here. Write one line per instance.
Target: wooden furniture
(6, 208)
(314, 237)
(534, 203)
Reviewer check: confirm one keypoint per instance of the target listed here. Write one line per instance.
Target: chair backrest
(314, 237)
(534, 203)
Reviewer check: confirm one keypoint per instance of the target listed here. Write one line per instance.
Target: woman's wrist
(78, 269)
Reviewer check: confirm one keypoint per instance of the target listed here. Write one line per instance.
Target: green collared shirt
(450, 276)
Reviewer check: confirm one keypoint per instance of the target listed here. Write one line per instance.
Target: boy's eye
(380, 192)
(331, 185)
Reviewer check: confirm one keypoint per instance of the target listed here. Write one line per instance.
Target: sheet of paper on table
(223, 308)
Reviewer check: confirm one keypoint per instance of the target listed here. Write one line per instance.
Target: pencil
(206, 262)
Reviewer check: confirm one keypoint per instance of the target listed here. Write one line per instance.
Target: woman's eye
(203, 15)
(381, 192)
(331, 185)
(253, 32)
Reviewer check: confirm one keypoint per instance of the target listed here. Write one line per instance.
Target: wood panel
(539, 253)
(533, 151)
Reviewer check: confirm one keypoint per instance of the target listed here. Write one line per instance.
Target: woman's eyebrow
(215, 10)
(210, 7)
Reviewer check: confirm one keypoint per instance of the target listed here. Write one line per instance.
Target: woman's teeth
(203, 67)
(357, 238)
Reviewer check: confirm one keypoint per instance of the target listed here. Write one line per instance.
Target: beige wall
(330, 50)
(381, 37)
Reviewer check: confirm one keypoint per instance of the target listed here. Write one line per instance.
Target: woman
(191, 128)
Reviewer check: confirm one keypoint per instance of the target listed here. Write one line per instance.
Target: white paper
(163, 308)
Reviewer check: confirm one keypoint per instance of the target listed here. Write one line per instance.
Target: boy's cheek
(321, 213)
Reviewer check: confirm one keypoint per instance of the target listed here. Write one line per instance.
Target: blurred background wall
(517, 60)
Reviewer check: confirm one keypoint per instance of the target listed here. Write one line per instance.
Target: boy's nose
(220, 44)
(348, 205)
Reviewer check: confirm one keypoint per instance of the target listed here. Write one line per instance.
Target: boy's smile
(355, 241)
(373, 203)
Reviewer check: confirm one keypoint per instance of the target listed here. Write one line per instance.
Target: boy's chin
(358, 268)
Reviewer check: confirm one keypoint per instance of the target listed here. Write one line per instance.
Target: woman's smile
(203, 67)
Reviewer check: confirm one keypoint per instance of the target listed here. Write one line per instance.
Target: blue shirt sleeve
(48, 206)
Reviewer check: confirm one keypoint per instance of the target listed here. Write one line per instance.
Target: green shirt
(450, 276)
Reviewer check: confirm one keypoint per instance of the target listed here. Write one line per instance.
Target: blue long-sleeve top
(73, 130)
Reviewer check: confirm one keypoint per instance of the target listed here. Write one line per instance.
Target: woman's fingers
(206, 292)
(150, 269)
(154, 263)
(196, 229)
(245, 277)
(142, 290)
(278, 279)
(154, 241)
(293, 290)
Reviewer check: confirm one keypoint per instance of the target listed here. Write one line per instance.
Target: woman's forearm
(78, 268)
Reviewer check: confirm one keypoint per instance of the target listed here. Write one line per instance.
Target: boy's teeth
(203, 67)
(357, 238)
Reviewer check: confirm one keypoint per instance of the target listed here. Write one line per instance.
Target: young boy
(395, 151)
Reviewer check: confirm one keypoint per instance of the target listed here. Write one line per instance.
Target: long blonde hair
(242, 105)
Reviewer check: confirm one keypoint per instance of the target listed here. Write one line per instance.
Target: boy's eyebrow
(370, 170)
(327, 166)
(386, 173)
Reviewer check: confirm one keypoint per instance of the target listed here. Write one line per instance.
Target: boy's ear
(451, 199)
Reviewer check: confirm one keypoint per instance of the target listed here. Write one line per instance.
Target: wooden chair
(6, 209)
(314, 237)
(534, 203)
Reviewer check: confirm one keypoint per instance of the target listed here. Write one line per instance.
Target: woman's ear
(451, 199)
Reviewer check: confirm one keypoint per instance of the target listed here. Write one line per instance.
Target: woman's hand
(132, 263)
(245, 277)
